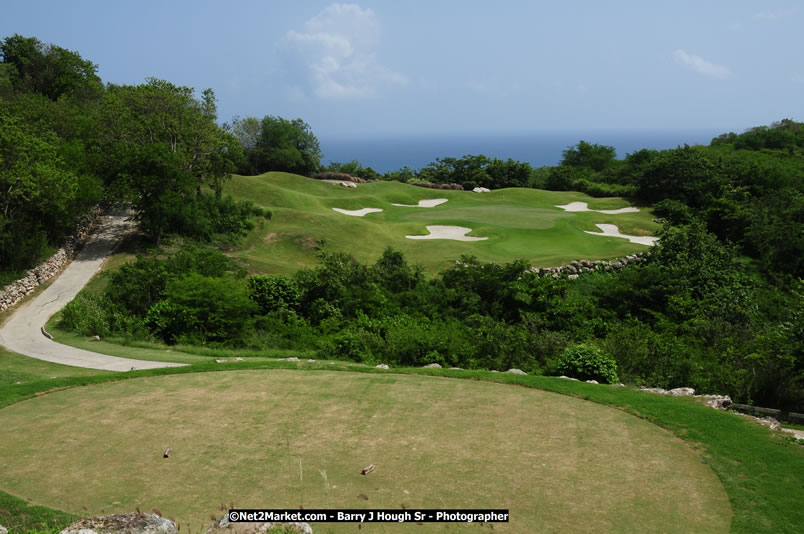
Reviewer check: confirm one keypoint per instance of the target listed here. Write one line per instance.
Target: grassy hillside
(520, 223)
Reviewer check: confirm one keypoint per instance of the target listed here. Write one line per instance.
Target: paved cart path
(22, 333)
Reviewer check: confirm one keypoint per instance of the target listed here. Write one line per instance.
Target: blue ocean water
(538, 148)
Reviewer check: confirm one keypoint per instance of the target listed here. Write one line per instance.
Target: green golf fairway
(519, 224)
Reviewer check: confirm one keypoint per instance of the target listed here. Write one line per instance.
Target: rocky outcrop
(16, 291)
(516, 371)
(133, 523)
(381, 366)
(223, 526)
(432, 366)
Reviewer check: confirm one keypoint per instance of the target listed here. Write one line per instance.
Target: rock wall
(576, 268)
(16, 291)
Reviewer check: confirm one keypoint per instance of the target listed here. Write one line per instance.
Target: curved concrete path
(22, 333)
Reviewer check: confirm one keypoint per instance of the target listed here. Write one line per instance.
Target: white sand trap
(358, 213)
(431, 203)
(456, 233)
(583, 206)
(611, 230)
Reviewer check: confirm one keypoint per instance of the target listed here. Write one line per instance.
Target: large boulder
(133, 523)
(432, 366)
(516, 371)
(719, 402)
(223, 526)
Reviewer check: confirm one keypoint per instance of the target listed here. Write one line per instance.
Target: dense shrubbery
(690, 315)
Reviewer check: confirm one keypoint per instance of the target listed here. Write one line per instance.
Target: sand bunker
(456, 233)
(358, 213)
(611, 230)
(431, 203)
(583, 206)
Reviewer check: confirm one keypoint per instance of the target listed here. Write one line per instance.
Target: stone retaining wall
(576, 268)
(16, 291)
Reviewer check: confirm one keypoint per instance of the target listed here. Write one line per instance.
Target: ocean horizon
(537, 148)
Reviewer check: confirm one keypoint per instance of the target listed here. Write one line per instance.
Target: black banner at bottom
(368, 516)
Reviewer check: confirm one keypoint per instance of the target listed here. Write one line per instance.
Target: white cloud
(338, 46)
(701, 66)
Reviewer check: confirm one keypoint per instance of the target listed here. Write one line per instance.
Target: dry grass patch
(290, 439)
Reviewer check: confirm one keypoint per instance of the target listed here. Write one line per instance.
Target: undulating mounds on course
(456, 233)
(290, 439)
(611, 230)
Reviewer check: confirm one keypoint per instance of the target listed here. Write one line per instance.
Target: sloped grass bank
(760, 471)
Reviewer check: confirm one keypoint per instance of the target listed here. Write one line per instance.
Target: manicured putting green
(521, 224)
(300, 438)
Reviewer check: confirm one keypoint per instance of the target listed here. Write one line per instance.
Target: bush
(274, 292)
(87, 314)
(587, 362)
(209, 309)
(205, 216)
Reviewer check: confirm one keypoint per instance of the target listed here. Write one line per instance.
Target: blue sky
(393, 68)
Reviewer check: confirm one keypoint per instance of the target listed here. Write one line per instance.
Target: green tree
(288, 146)
(247, 131)
(165, 146)
(47, 69)
(38, 195)
(596, 157)
(683, 174)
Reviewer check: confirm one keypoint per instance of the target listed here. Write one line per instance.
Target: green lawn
(18, 369)
(290, 438)
(520, 224)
